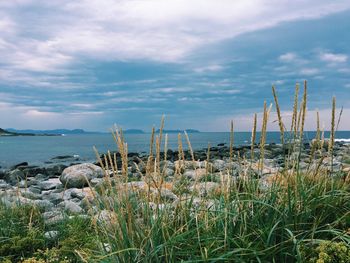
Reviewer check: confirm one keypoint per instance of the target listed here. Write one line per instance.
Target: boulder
(79, 175)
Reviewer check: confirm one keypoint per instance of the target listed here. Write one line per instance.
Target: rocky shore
(61, 190)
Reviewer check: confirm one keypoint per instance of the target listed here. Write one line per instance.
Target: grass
(303, 215)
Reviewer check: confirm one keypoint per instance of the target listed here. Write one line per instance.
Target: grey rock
(96, 181)
(76, 193)
(169, 172)
(165, 194)
(79, 175)
(35, 189)
(32, 171)
(44, 204)
(219, 165)
(106, 218)
(54, 198)
(4, 185)
(55, 170)
(51, 235)
(50, 184)
(15, 176)
(71, 207)
(2, 173)
(27, 193)
(53, 217)
(41, 177)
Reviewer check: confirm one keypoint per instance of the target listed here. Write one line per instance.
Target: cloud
(309, 71)
(288, 57)
(158, 30)
(210, 68)
(333, 58)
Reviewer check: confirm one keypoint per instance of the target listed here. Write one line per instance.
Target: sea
(39, 150)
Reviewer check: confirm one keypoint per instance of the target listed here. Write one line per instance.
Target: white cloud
(333, 58)
(288, 57)
(309, 71)
(210, 68)
(160, 30)
(41, 118)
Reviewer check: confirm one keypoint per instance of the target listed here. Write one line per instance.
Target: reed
(231, 142)
(332, 133)
(280, 122)
(253, 137)
(266, 113)
(295, 111)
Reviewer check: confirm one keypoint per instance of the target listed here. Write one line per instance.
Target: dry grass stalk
(280, 122)
(231, 142)
(149, 164)
(263, 134)
(191, 150)
(123, 150)
(339, 118)
(181, 154)
(303, 111)
(207, 165)
(331, 139)
(295, 111)
(253, 137)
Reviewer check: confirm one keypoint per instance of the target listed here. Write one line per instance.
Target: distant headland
(62, 132)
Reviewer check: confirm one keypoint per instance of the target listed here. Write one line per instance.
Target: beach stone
(2, 174)
(15, 176)
(96, 181)
(165, 194)
(79, 175)
(50, 184)
(71, 207)
(23, 164)
(169, 172)
(53, 217)
(51, 235)
(55, 170)
(32, 171)
(44, 204)
(77, 193)
(54, 198)
(4, 185)
(106, 218)
(27, 193)
(35, 189)
(219, 165)
(41, 177)
(195, 174)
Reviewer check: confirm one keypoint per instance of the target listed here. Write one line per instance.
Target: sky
(94, 63)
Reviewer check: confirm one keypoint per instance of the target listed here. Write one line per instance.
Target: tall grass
(241, 221)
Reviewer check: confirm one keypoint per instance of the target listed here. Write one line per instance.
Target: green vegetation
(303, 215)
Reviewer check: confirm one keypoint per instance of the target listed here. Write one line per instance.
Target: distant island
(57, 132)
(10, 133)
(179, 131)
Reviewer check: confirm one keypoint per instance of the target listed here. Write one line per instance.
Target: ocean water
(39, 149)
